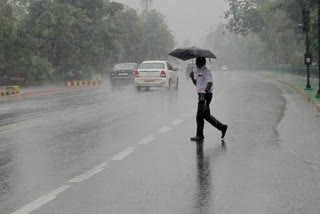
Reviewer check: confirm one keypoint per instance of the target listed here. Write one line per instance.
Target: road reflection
(204, 177)
(8, 174)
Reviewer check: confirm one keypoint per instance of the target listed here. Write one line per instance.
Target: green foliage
(234, 50)
(6, 36)
(40, 69)
(276, 25)
(157, 38)
(72, 35)
(244, 16)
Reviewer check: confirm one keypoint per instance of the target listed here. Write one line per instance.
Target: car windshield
(152, 66)
(125, 66)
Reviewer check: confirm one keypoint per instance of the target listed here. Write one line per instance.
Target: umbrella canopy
(191, 53)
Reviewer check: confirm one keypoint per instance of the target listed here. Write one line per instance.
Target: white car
(156, 74)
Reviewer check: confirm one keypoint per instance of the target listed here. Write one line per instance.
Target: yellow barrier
(83, 83)
(9, 90)
(16, 89)
(69, 83)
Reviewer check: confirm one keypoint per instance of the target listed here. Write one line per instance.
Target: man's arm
(209, 86)
(209, 80)
(193, 79)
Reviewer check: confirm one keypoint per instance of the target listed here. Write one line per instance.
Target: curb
(298, 91)
(57, 90)
(51, 91)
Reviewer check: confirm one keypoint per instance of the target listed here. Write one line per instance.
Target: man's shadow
(204, 177)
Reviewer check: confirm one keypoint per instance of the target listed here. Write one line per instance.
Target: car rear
(151, 74)
(123, 71)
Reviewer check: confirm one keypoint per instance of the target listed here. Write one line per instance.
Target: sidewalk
(299, 84)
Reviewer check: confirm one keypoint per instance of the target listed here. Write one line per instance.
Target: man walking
(204, 83)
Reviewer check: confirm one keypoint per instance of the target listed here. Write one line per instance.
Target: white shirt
(203, 76)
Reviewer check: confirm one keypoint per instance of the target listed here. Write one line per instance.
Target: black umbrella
(191, 53)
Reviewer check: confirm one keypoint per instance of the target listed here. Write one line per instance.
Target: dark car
(123, 72)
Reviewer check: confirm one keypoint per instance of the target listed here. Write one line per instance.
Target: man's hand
(209, 86)
(202, 97)
(191, 75)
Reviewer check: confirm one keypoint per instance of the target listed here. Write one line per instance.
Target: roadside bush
(41, 70)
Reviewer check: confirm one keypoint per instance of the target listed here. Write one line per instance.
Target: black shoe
(197, 138)
(224, 131)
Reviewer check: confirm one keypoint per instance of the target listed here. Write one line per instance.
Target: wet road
(121, 151)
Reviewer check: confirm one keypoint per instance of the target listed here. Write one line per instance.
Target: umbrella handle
(192, 65)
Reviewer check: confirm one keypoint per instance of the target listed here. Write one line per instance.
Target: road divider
(83, 83)
(9, 90)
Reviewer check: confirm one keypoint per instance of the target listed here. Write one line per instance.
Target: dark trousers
(203, 113)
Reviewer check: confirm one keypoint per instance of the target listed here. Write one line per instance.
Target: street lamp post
(306, 29)
(308, 60)
(318, 94)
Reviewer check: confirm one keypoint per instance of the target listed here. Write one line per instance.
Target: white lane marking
(177, 122)
(102, 165)
(146, 140)
(41, 201)
(113, 118)
(88, 174)
(59, 190)
(123, 154)
(165, 129)
(187, 115)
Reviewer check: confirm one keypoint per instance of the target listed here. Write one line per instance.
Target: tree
(275, 22)
(244, 16)
(158, 40)
(6, 37)
(234, 50)
(49, 38)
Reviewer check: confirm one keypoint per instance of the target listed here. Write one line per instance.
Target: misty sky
(188, 19)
